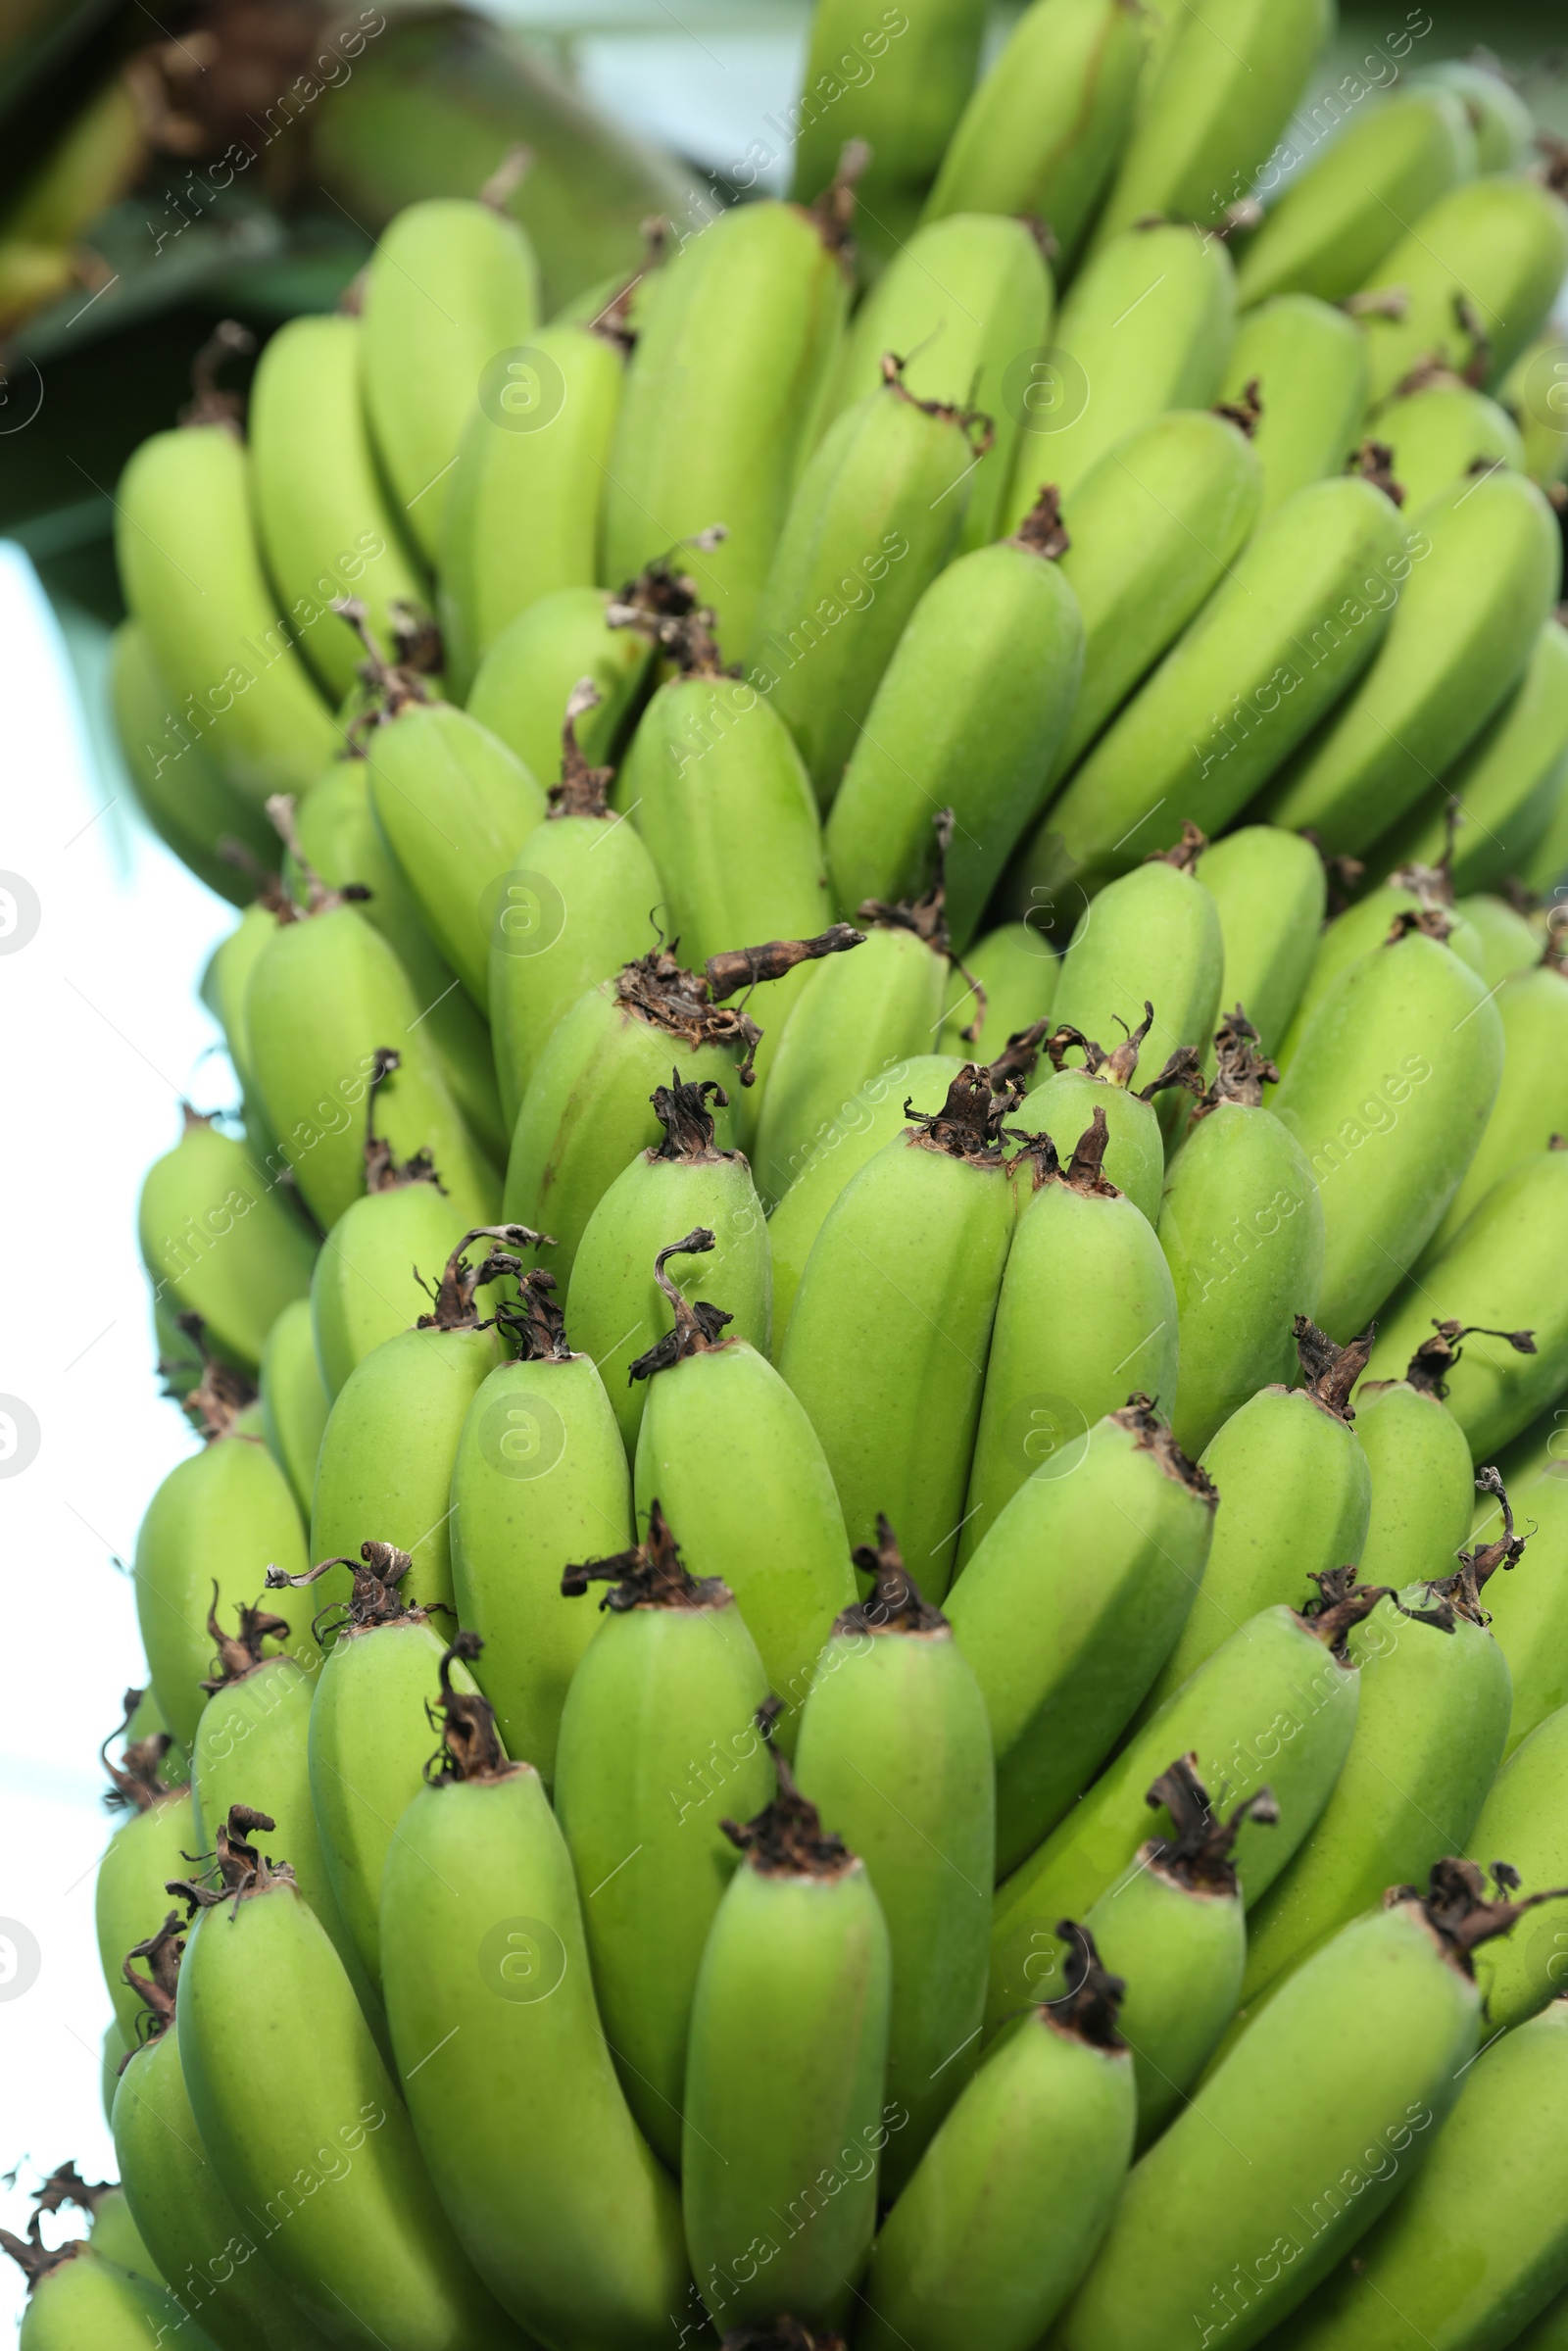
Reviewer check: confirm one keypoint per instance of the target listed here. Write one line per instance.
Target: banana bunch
(868, 1644)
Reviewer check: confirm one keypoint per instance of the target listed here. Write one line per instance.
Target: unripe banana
(295, 1401)
(1297, 1493)
(531, 670)
(1505, 1263)
(1527, 1618)
(885, 1347)
(537, 445)
(224, 1515)
(1549, 866)
(222, 990)
(220, 1241)
(1251, 2199)
(1275, 648)
(1068, 1100)
(875, 516)
(158, 1831)
(1423, 1484)
(1503, 123)
(1343, 215)
(1444, 431)
(1046, 2126)
(615, 1310)
(1429, 1738)
(910, 73)
(1087, 1315)
(80, 2300)
(894, 1685)
(1363, 928)
(1458, 643)
(179, 787)
(1535, 395)
(785, 2072)
(659, 1720)
(219, 2267)
(969, 717)
(1008, 984)
(1274, 1706)
(872, 1117)
(1306, 366)
(964, 297)
(589, 1104)
(326, 527)
(193, 578)
(111, 2230)
(540, 1478)
(1511, 942)
(760, 1511)
(1521, 1818)
(1271, 890)
(1062, 1652)
(1468, 286)
(751, 308)
(392, 1436)
(506, 2069)
(1406, 1047)
(1042, 133)
(328, 2154)
(1532, 1104)
(1477, 2243)
(1178, 1924)
(327, 999)
(1147, 327)
(451, 286)
(577, 904)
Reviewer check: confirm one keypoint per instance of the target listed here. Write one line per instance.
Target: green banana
(751, 308)
(326, 527)
(537, 444)
(219, 1241)
(1445, 430)
(964, 298)
(1275, 1704)
(111, 2230)
(1342, 216)
(181, 2213)
(1299, 619)
(1509, 943)
(1046, 2126)
(1008, 984)
(192, 577)
(1178, 1925)
(1547, 868)
(393, 1432)
(157, 1832)
(1242, 1208)
(875, 516)
(1304, 367)
(1042, 135)
(1429, 1738)
(1535, 395)
(969, 717)
(1527, 1612)
(540, 1476)
(507, 2073)
(886, 1348)
(1145, 328)
(223, 986)
(1504, 128)
(1271, 890)
(895, 1690)
(1409, 1013)
(1255, 2193)
(1458, 644)
(907, 94)
(659, 1720)
(1063, 1654)
(1468, 286)
(451, 287)
(1532, 1104)
(78, 2299)
(1423, 1484)
(228, 1513)
(1297, 1493)
(1477, 2245)
(563, 923)
(615, 1308)
(535, 664)
(1087, 1314)
(872, 1116)
(1521, 1817)
(370, 2260)
(295, 1401)
(588, 1109)
(179, 788)
(1068, 1100)
(759, 1512)
(1363, 927)
(779, 2168)
(1504, 1261)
